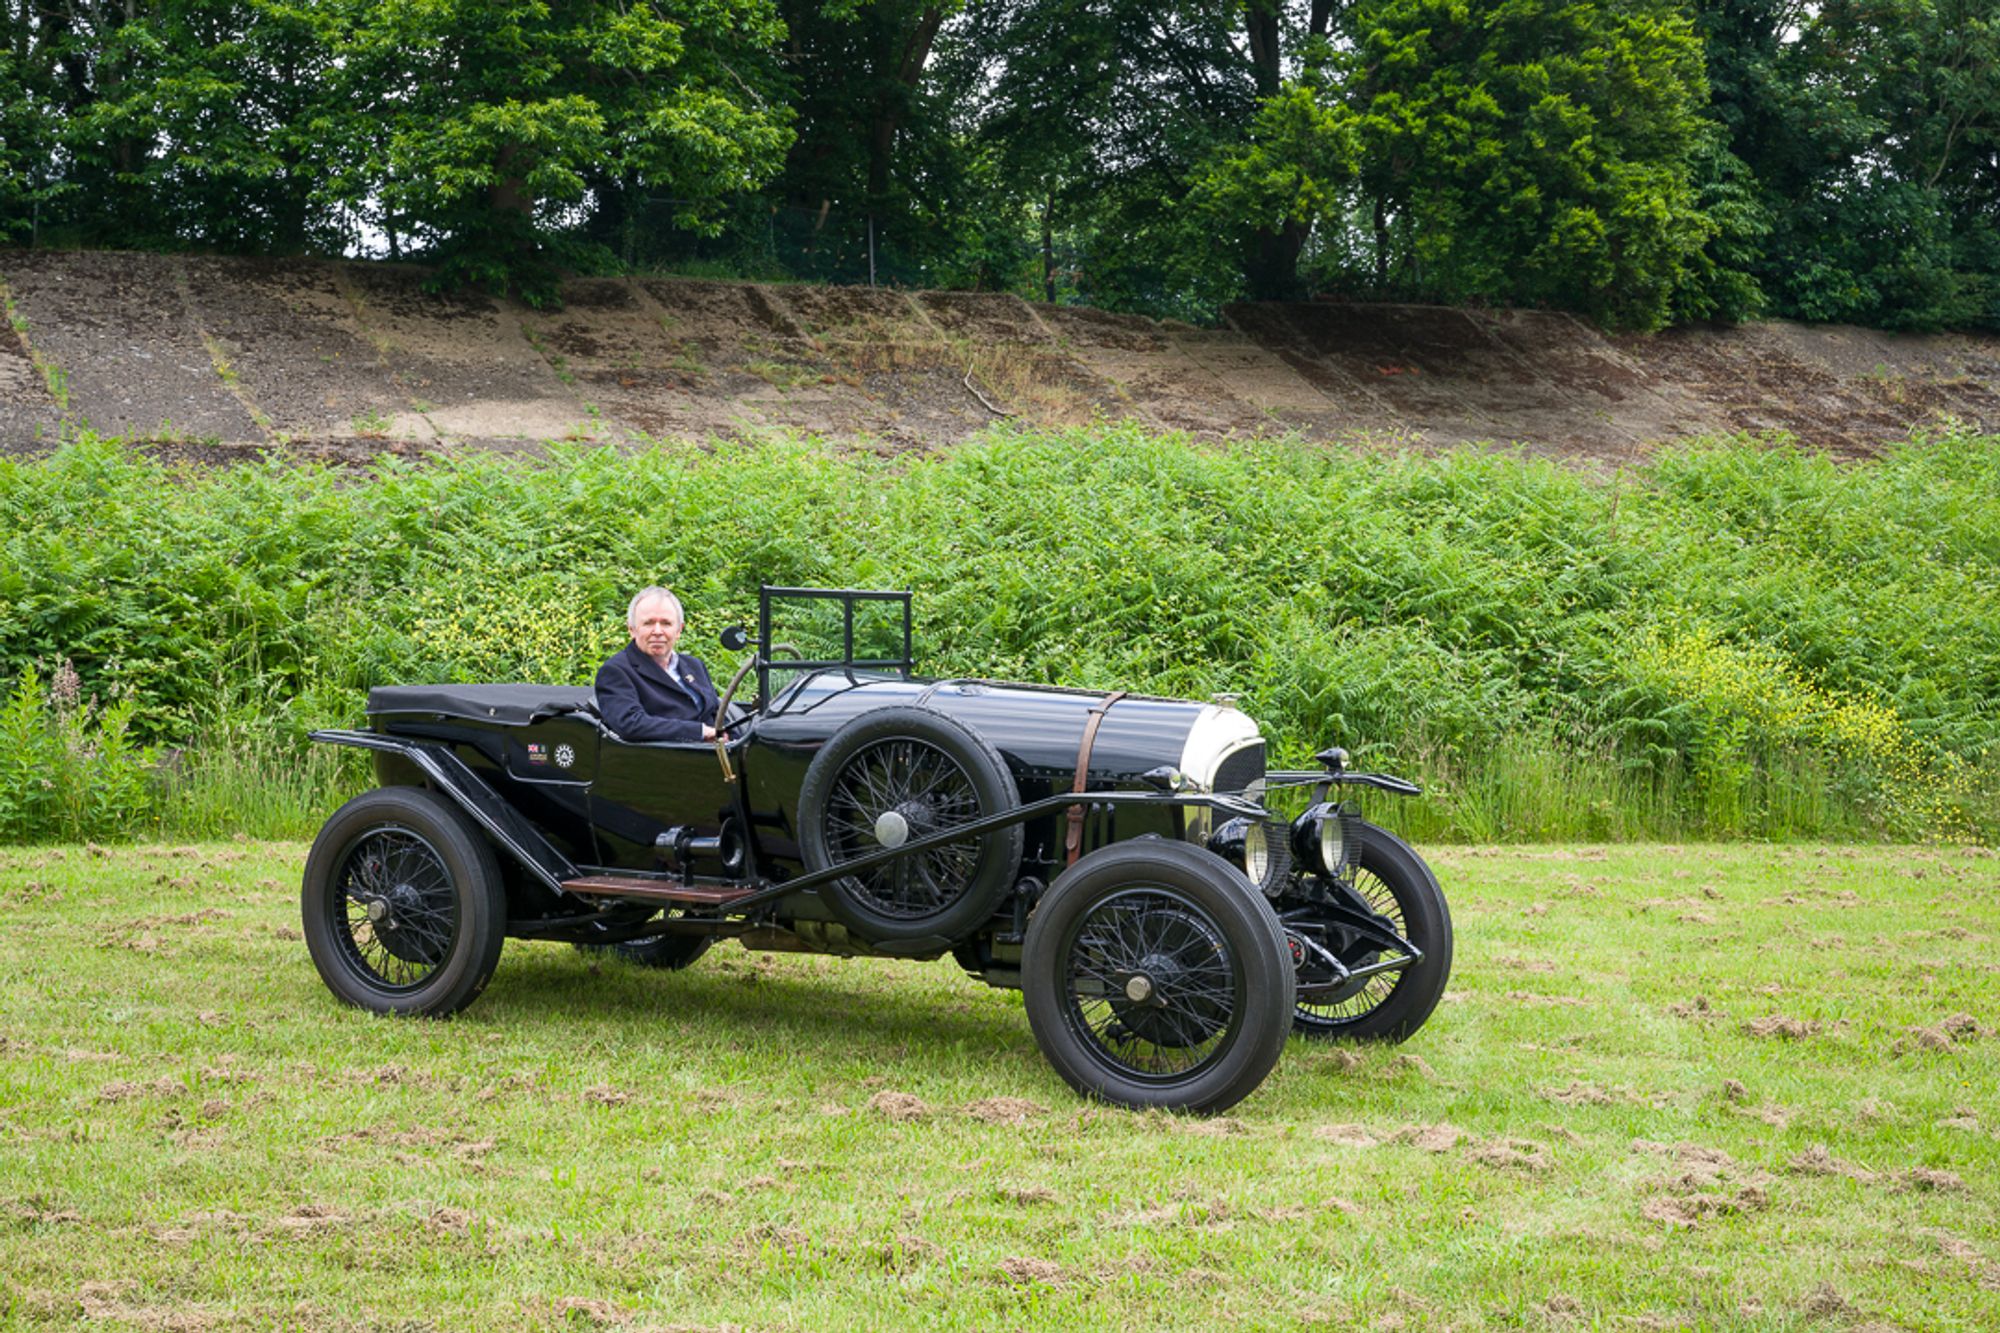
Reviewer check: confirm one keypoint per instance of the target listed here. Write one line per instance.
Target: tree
(1909, 214)
(1101, 111)
(1271, 264)
(1534, 151)
(1296, 168)
(1035, 83)
(223, 98)
(27, 139)
(1866, 131)
(477, 125)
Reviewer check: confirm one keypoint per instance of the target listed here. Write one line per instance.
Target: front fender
(512, 834)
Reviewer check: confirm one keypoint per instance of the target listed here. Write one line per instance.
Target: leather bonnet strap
(1073, 839)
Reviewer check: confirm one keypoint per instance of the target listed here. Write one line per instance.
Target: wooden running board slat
(660, 890)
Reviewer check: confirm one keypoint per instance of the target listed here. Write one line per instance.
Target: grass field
(1704, 1087)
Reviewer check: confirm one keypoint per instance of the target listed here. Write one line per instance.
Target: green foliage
(1719, 283)
(1737, 640)
(545, 99)
(1301, 156)
(472, 131)
(68, 767)
(243, 779)
(1867, 128)
(1535, 152)
(1633, 160)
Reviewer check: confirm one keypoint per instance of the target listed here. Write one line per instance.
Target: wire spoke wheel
(1394, 884)
(1151, 984)
(402, 903)
(893, 777)
(399, 907)
(894, 792)
(1155, 976)
(1358, 998)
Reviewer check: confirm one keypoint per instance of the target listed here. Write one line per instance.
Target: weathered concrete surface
(342, 359)
(464, 360)
(123, 344)
(28, 412)
(288, 333)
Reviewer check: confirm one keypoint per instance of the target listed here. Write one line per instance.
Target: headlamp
(1246, 844)
(1319, 838)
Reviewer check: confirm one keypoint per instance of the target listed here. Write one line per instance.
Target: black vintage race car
(1118, 858)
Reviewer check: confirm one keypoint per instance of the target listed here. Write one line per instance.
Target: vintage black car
(1118, 858)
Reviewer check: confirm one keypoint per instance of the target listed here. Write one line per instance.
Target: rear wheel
(1394, 884)
(402, 904)
(1156, 976)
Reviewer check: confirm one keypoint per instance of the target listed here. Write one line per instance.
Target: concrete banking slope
(346, 359)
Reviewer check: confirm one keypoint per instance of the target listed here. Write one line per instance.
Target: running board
(655, 890)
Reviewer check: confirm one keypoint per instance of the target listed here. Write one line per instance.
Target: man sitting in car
(648, 691)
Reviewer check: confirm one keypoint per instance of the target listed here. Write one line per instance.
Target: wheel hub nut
(378, 911)
(1139, 989)
(892, 829)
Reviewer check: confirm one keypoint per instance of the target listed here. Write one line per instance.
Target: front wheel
(1392, 883)
(402, 904)
(1156, 976)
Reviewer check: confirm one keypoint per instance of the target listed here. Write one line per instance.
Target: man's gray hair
(646, 595)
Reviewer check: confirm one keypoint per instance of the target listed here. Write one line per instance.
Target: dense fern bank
(1733, 640)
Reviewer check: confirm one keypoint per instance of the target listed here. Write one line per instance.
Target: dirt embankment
(214, 356)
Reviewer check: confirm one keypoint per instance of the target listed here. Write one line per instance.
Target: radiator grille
(1240, 768)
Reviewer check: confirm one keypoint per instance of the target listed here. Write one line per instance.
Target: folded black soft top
(512, 705)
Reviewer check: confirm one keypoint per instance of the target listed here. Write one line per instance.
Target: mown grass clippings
(187, 1131)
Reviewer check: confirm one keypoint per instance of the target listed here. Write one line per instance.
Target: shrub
(68, 768)
(1736, 640)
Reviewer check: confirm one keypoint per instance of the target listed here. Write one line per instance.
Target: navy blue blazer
(642, 703)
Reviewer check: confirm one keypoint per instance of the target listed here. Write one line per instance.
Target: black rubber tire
(983, 873)
(466, 900)
(1180, 884)
(667, 952)
(1394, 865)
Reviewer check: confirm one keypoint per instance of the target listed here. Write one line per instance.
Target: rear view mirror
(736, 638)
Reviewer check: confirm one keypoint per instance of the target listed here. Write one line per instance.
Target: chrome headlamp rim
(1257, 853)
(1320, 838)
(1245, 843)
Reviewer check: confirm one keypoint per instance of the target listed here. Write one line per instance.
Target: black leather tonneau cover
(510, 705)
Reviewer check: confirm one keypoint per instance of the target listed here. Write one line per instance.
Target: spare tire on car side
(892, 776)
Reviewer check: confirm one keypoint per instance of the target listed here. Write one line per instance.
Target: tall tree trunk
(889, 105)
(1260, 22)
(1381, 244)
(510, 194)
(1271, 270)
(1049, 247)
